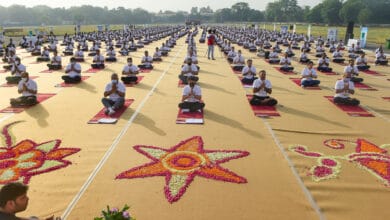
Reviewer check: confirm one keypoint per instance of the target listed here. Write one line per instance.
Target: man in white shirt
(380, 58)
(238, 62)
(111, 55)
(338, 56)
(17, 70)
(129, 72)
(115, 91)
(323, 64)
(55, 62)
(231, 55)
(344, 88)
(353, 70)
(308, 76)
(274, 57)
(45, 56)
(68, 50)
(192, 96)
(73, 72)
(249, 73)
(146, 61)
(79, 55)
(157, 55)
(361, 62)
(188, 70)
(303, 58)
(286, 63)
(98, 61)
(28, 88)
(261, 89)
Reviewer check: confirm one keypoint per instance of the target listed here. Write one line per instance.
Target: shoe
(208, 57)
(213, 59)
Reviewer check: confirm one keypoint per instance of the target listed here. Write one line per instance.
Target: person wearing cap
(261, 89)
(28, 88)
(192, 96)
(98, 61)
(17, 70)
(129, 72)
(73, 72)
(115, 91)
(188, 70)
(344, 88)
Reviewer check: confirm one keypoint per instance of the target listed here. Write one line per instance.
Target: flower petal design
(58, 154)
(48, 146)
(176, 186)
(151, 152)
(224, 156)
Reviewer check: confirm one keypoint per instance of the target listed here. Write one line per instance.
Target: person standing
(210, 44)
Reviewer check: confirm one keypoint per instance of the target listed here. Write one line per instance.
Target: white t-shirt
(193, 58)
(45, 53)
(20, 69)
(72, 74)
(360, 59)
(99, 59)
(239, 59)
(322, 62)
(337, 54)
(147, 60)
(186, 68)
(351, 69)
(274, 56)
(340, 85)
(232, 54)
(56, 60)
(196, 91)
(79, 53)
(307, 72)
(120, 87)
(31, 85)
(248, 69)
(131, 69)
(257, 83)
(285, 61)
(111, 53)
(157, 54)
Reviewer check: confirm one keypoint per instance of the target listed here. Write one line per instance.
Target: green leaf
(47, 147)
(48, 164)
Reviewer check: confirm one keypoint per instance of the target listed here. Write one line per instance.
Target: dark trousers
(324, 69)
(257, 100)
(304, 60)
(13, 79)
(184, 78)
(192, 106)
(129, 79)
(143, 66)
(68, 79)
(111, 59)
(24, 101)
(356, 79)
(346, 101)
(287, 68)
(54, 67)
(384, 62)
(238, 68)
(108, 103)
(248, 81)
(97, 66)
(312, 82)
(339, 60)
(362, 68)
(43, 59)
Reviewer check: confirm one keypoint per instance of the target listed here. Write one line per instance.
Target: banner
(309, 30)
(107, 27)
(283, 29)
(294, 28)
(274, 27)
(78, 28)
(363, 36)
(333, 34)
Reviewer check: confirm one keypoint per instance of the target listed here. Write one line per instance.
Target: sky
(151, 5)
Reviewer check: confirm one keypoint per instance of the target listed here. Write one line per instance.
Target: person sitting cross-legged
(115, 91)
(129, 72)
(249, 73)
(361, 62)
(261, 89)
(28, 88)
(55, 63)
(16, 72)
(286, 63)
(79, 55)
(304, 58)
(344, 88)
(274, 57)
(111, 55)
(146, 61)
(73, 71)
(338, 56)
(98, 61)
(45, 56)
(380, 58)
(188, 70)
(354, 71)
(308, 76)
(238, 62)
(323, 64)
(192, 96)
(157, 55)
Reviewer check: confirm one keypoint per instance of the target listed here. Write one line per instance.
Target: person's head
(13, 197)
(249, 62)
(191, 81)
(114, 78)
(189, 60)
(24, 75)
(72, 60)
(55, 53)
(146, 53)
(17, 60)
(324, 55)
(285, 55)
(351, 62)
(262, 74)
(156, 49)
(97, 52)
(362, 55)
(239, 52)
(310, 64)
(129, 61)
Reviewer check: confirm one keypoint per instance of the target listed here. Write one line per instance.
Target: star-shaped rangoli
(181, 163)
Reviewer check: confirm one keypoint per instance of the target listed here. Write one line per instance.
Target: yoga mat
(373, 73)
(47, 71)
(284, 72)
(297, 81)
(101, 118)
(64, 85)
(355, 111)
(245, 85)
(386, 98)
(40, 98)
(92, 70)
(263, 111)
(180, 84)
(139, 79)
(236, 72)
(3, 71)
(363, 86)
(145, 70)
(14, 85)
(186, 117)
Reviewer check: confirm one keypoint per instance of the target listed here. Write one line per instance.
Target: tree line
(328, 11)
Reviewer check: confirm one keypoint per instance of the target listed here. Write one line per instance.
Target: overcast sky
(151, 5)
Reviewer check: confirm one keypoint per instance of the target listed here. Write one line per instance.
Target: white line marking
(377, 114)
(294, 171)
(73, 203)
(6, 117)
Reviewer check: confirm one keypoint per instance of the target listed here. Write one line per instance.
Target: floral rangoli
(181, 163)
(25, 159)
(368, 156)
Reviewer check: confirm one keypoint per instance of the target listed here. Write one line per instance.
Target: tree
(350, 10)
(364, 15)
(330, 11)
(240, 11)
(315, 14)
